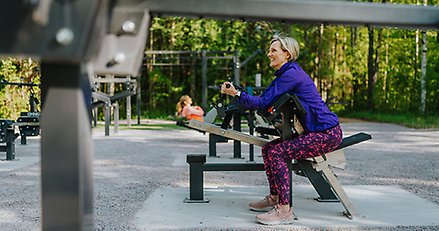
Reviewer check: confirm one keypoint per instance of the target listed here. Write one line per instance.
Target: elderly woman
(322, 130)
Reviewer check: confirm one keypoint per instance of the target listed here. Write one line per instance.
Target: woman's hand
(228, 88)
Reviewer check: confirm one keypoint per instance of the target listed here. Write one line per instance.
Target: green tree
(15, 99)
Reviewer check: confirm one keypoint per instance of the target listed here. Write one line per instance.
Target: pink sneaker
(263, 205)
(276, 217)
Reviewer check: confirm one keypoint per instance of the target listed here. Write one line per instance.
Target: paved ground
(378, 206)
(136, 170)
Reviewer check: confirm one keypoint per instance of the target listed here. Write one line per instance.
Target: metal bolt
(64, 36)
(128, 26)
(119, 58)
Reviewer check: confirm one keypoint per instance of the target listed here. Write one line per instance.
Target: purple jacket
(292, 79)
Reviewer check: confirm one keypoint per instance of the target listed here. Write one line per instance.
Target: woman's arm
(279, 86)
(192, 110)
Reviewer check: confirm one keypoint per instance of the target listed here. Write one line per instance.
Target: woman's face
(188, 101)
(277, 56)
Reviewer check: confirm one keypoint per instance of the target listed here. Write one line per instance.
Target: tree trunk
(370, 69)
(423, 69)
(372, 65)
(385, 81)
(356, 85)
(319, 59)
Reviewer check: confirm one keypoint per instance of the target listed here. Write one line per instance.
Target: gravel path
(130, 165)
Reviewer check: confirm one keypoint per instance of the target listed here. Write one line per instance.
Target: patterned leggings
(276, 154)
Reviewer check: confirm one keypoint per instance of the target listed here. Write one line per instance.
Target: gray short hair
(288, 44)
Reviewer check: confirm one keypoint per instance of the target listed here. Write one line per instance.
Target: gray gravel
(130, 165)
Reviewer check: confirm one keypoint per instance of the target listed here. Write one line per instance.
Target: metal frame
(204, 56)
(67, 35)
(315, 11)
(8, 136)
(66, 160)
(112, 101)
(317, 170)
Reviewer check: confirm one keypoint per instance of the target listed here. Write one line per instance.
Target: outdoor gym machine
(27, 122)
(69, 36)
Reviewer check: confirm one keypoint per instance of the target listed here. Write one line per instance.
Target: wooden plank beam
(232, 134)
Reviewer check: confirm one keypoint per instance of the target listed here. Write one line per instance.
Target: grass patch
(407, 119)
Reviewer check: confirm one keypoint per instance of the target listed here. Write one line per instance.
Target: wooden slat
(232, 134)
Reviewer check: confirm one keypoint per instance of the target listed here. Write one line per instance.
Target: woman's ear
(288, 55)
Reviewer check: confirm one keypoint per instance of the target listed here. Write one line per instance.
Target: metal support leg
(7, 135)
(107, 118)
(10, 144)
(95, 117)
(116, 117)
(212, 145)
(237, 143)
(319, 182)
(251, 153)
(292, 168)
(23, 139)
(196, 163)
(128, 110)
(350, 210)
(66, 149)
(251, 125)
(213, 139)
(290, 174)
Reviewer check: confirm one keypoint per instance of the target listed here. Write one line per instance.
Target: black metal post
(290, 174)
(10, 144)
(212, 145)
(107, 118)
(196, 162)
(66, 148)
(251, 125)
(236, 143)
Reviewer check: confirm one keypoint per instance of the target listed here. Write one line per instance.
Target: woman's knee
(265, 150)
(275, 153)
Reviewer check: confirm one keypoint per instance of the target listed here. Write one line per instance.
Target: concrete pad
(379, 206)
(9, 165)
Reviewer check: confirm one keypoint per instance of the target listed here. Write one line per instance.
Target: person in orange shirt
(186, 110)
